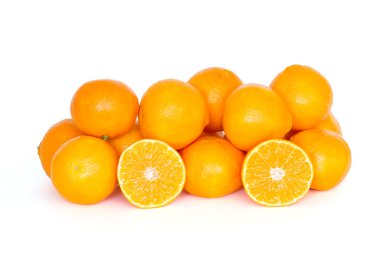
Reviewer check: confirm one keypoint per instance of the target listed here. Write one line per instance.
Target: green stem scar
(105, 137)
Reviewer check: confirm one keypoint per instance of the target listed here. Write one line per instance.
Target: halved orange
(151, 173)
(277, 173)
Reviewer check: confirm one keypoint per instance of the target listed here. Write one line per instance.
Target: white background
(49, 48)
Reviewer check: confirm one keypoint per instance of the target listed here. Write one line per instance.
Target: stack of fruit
(210, 135)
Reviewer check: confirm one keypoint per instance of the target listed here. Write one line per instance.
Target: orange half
(277, 173)
(151, 173)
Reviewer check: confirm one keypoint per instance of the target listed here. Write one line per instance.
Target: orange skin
(306, 92)
(329, 154)
(215, 84)
(329, 123)
(174, 112)
(203, 134)
(54, 138)
(213, 167)
(121, 142)
(84, 170)
(104, 108)
(254, 113)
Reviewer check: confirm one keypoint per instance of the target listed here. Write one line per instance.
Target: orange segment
(277, 173)
(151, 173)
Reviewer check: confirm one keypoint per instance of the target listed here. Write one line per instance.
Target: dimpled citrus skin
(329, 154)
(254, 113)
(330, 123)
(121, 142)
(213, 167)
(84, 170)
(174, 112)
(53, 139)
(104, 108)
(215, 84)
(306, 92)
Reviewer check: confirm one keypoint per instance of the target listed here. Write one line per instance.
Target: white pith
(277, 173)
(151, 174)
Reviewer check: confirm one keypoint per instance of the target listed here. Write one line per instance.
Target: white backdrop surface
(49, 48)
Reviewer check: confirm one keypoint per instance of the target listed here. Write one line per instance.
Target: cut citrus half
(151, 173)
(277, 173)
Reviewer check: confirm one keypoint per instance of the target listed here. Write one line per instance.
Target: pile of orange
(210, 136)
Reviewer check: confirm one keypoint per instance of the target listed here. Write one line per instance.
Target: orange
(174, 112)
(215, 84)
(213, 167)
(104, 108)
(83, 170)
(54, 138)
(121, 142)
(277, 173)
(329, 153)
(307, 93)
(254, 113)
(217, 134)
(330, 123)
(151, 173)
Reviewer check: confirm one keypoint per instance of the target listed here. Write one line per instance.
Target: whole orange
(213, 167)
(329, 154)
(254, 113)
(330, 123)
(306, 92)
(215, 84)
(174, 112)
(54, 138)
(104, 108)
(84, 170)
(121, 142)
